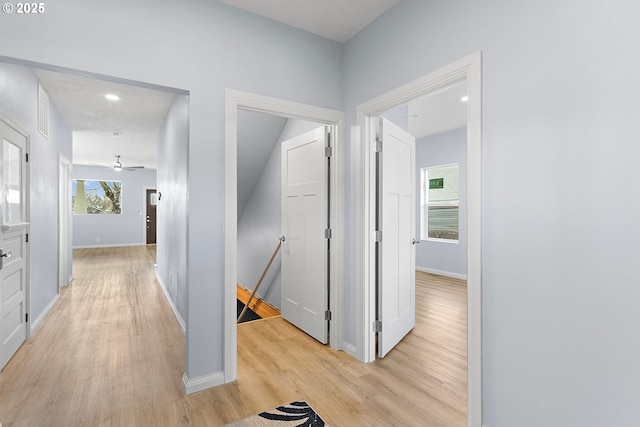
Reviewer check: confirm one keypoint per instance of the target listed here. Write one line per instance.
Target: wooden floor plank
(111, 353)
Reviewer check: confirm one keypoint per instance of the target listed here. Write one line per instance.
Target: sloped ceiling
(257, 137)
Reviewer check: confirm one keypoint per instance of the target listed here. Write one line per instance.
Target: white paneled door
(304, 253)
(396, 223)
(13, 241)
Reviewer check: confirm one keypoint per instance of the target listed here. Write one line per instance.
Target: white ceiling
(102, 128)
(438, 112)
(337, 20)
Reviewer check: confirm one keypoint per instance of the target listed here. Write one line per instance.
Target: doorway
(283, 191)
(151, 202)
(234, 101)
(468, 69)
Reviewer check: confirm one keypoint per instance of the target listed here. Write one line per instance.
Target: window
(96, 197)
(439, 202)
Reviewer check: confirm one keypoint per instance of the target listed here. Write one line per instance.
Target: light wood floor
(111, 353)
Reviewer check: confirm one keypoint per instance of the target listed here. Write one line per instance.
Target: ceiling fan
(117, 165)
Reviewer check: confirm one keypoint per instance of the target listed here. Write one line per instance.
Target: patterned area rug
(298, 414)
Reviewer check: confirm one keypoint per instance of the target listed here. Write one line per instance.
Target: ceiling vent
(43, 111)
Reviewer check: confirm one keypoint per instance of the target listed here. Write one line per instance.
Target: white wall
(260, 224)
(443, 257)
(18, 100)
(560, 207)
(126, 229)
(204, 47)
(171, 256)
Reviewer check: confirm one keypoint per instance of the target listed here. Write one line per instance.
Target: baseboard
(115, 245)
(202, 383)
(173, 306)
(442, 273)
(350, 349)
(71, 279)
(36, 323)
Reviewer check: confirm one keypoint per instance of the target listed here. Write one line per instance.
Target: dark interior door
(151, 216)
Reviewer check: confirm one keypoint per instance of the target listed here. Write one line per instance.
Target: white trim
(469, 69)
(183, 325)
(114, 245)
(12, 228)
(233, 101)
(436, 240)
(442, 273)
(202, 383)
(350, 349)
(36, 323)
(64, 221)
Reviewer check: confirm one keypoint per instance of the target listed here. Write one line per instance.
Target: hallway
(111, 353)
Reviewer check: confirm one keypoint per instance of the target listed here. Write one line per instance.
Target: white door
(396, 222)
(13, 241)
(304, 252)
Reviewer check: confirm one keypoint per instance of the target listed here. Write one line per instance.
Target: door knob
(3, 255)
(415, 242)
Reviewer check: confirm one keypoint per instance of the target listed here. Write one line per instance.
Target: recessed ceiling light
(112, 97)
(464, 98)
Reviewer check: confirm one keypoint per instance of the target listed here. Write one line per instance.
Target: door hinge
(377, 236)
(26, 238)
(377, 326)
(327, 233)
(26, 318)
(378, 147)
(327, 148)
(327, 315)
(27, 157)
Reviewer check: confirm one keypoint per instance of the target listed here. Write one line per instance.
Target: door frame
(144, 213)
(64, 221)
(470, 69)
(235, 100)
